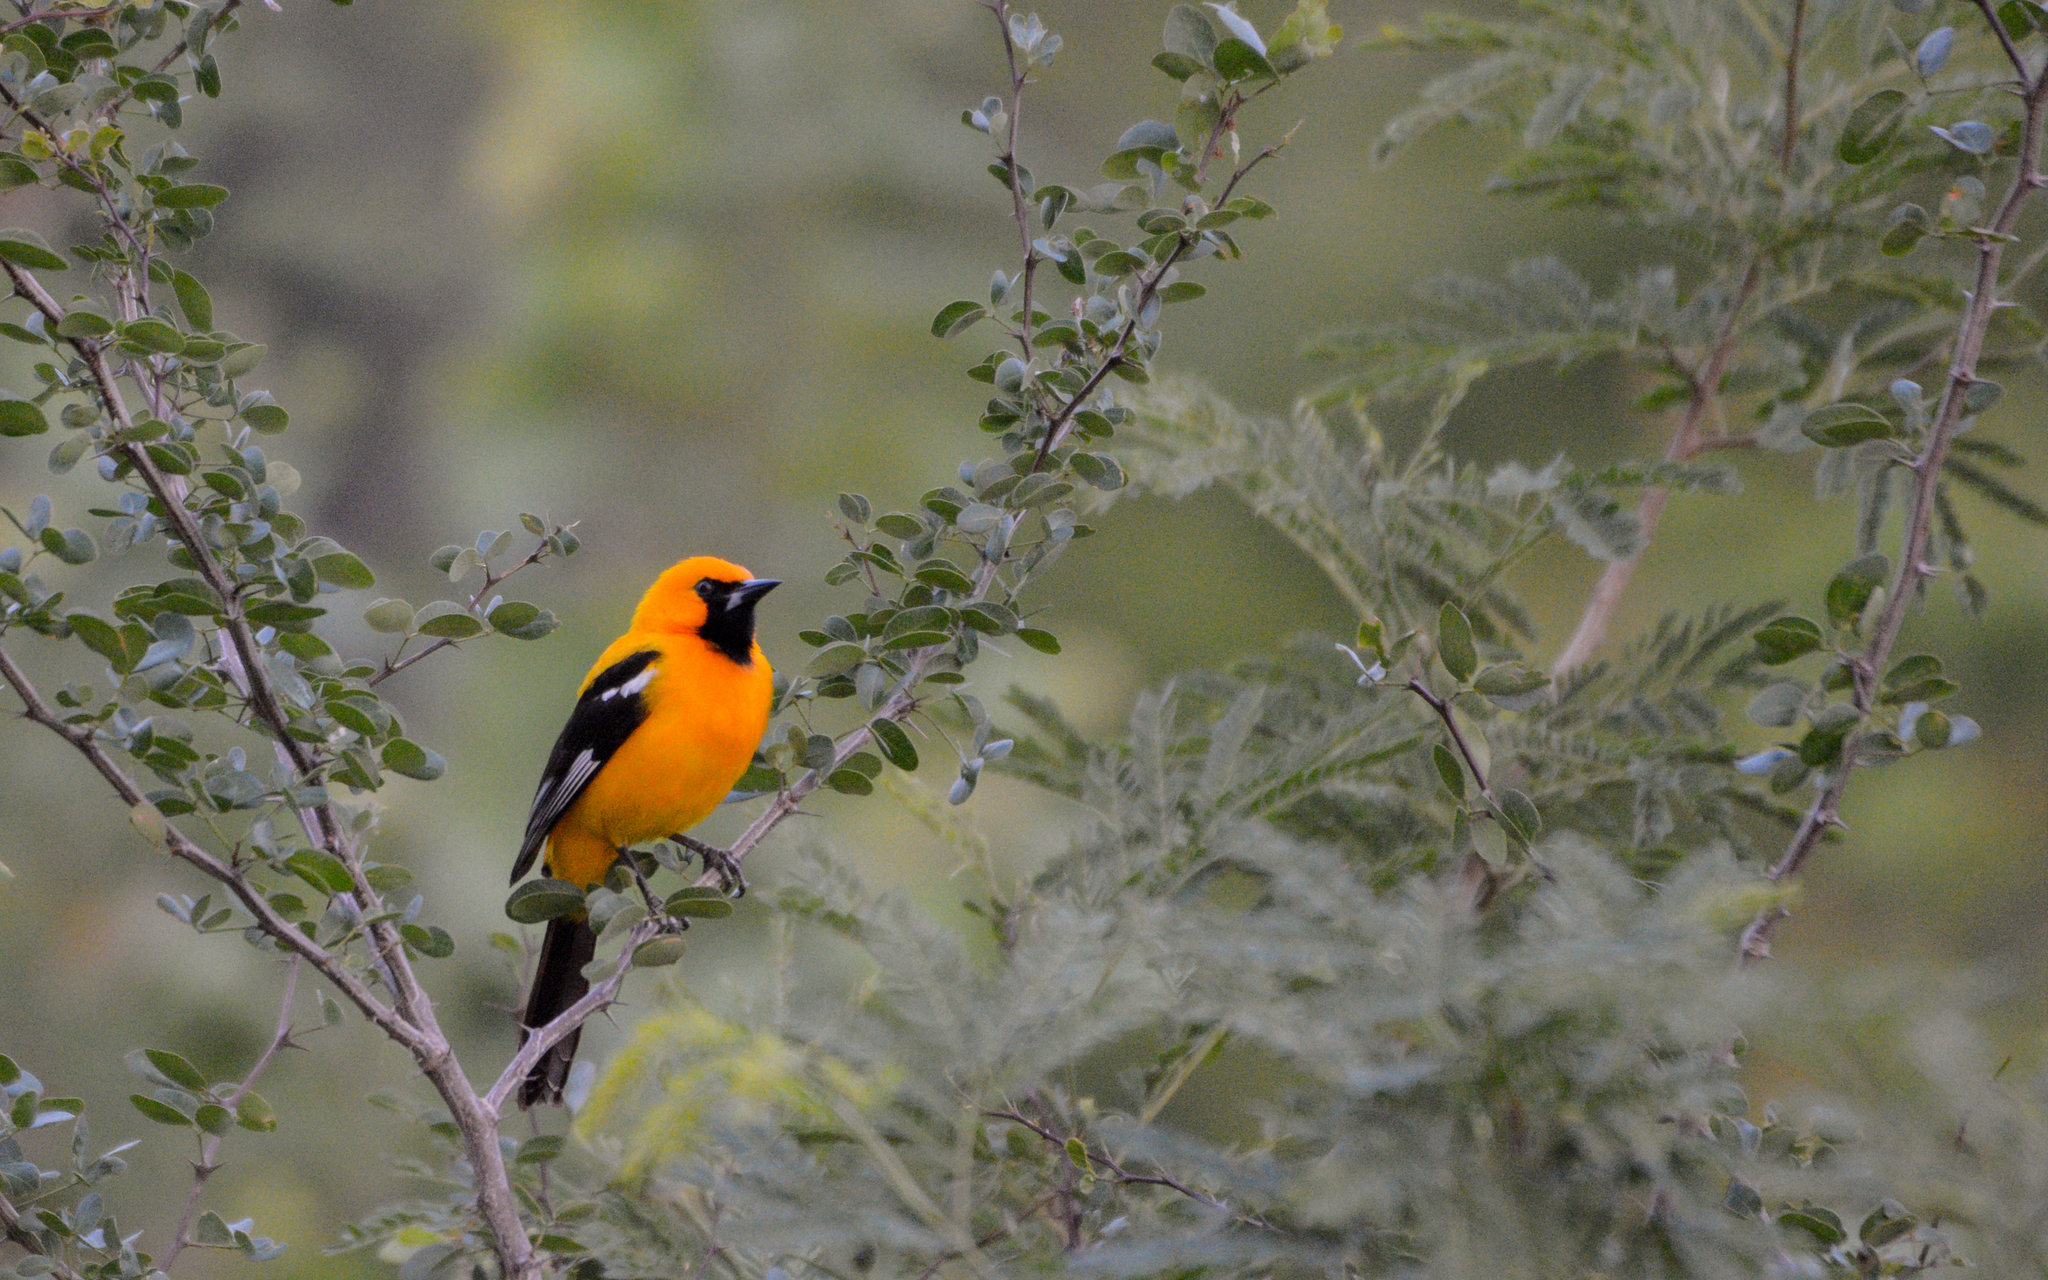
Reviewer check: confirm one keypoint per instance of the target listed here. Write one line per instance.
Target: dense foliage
(1473, 948)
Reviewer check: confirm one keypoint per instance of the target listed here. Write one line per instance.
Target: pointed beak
(749, 591)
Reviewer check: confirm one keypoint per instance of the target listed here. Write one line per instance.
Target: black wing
(604, 717)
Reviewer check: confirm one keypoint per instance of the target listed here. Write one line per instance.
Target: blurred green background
(666, 268)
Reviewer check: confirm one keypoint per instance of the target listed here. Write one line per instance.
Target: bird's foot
(718, 862)
(655, 908)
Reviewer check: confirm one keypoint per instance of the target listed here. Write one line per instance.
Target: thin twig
(204, 1167)
(1055, 428)
(1442, 707)
(2012, 52)
(1792, 86)
(1912, 570)
(1018, 200)
(394, 664)
(1119, 1174)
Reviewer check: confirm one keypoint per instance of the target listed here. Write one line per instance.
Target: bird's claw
(718, 862)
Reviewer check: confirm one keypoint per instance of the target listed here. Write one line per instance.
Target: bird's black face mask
(729, 615)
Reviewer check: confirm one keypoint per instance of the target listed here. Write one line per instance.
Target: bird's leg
(654, 905)
(718, 862)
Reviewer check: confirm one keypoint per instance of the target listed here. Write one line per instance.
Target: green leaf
(1454, 642)
(1043, 641)
(1824, 1225)
(1850, 589)
(1180, 291)
(193, 300)
(1190, 35)
(1237, 60)
(72, 546)
(894, 744)
(195, 195)
(270, 419)
(1909, 223)
(103, 638)
(540, 1148)
(956, 317)
(1871, 126)
(1450, 771)
(1509, 680)
(20, 417)
(430, 941)
(1777, 706)
(153, 334)
(82, 321)
(337, 567)
(540, 900)
(1783, 639)
(651, 954)
(836, 659)
(849, 782)
(1177, 65)
(403, 756)
(27, 249)
(255, 1114)
(212, 1231)
(446, 620)
(162, 1113)
(285, 615)
(242, 359)
(213, 1118)
(1520, 813)
(694, 903)
(392, 617)
(1838, 426)
(175, 1069)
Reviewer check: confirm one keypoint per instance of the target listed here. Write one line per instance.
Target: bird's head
(708, 597)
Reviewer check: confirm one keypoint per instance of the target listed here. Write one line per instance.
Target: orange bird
(665, 724)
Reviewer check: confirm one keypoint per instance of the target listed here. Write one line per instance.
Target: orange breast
(706, 714)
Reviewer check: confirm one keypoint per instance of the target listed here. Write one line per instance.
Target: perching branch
(545, 1037)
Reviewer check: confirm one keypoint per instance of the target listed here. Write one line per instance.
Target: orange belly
(706, 716)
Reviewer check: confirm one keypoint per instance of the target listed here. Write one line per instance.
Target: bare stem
(206, 1164)
(1686, 443)
(1019, 202)
(1792, 86)
(1442, 707)
(1912, 570)
(395, 664)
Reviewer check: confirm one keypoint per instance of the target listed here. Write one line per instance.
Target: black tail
(557, 983)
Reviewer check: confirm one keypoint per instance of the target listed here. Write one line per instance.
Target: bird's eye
(704, 588)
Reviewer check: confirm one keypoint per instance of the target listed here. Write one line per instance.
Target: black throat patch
(729, 628)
